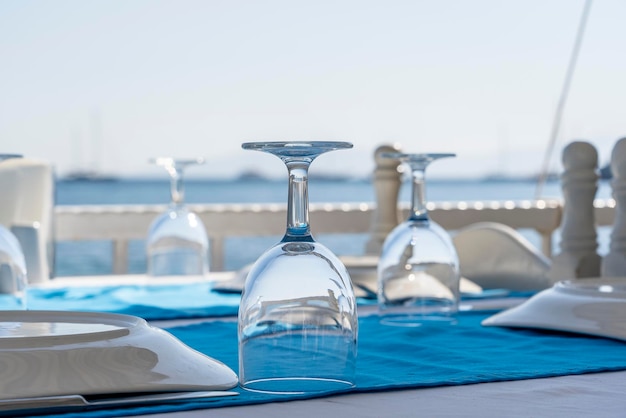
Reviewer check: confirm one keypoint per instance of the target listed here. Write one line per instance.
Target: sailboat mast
(96, 140)
(558, 114)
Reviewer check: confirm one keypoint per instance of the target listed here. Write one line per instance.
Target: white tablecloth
(591, 395)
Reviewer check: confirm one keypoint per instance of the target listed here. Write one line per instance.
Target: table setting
(294, 325)
(397, 358)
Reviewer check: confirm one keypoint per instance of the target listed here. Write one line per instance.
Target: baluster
(387, 181)
(614, 263)
(216, 253)
(578, 257)
(120, 256)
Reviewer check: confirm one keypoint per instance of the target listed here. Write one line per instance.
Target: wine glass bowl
(177, 242)
(418, 270)
(297, 324)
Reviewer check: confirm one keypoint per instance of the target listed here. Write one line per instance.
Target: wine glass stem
(298, 202)
(418, 203)
(176, 186)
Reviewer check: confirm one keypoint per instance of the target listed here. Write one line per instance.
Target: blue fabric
(152, 302)
(396, 358)
(193, 300)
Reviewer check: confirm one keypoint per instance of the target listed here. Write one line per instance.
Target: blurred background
(103, 85)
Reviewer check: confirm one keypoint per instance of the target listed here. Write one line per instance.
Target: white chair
(26, 208)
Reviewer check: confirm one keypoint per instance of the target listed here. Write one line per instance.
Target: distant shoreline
(331, 179)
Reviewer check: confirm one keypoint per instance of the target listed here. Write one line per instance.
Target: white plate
(587, 306)
(49, 353)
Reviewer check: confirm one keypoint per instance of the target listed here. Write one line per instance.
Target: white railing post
(546, 242)
(120, 256)
(216, 253)
(387, 181)
(579, 181)
(614, 263)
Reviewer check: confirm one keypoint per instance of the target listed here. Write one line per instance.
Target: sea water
(88, 258)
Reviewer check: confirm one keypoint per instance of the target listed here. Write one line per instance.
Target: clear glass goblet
(13, 279)
(297, 318)
(177, 242)
(418, 270)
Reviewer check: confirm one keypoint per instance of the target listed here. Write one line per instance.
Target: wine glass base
(296, 385)
(417, 320)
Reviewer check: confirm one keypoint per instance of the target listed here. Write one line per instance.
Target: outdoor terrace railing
(123, 223)
(37, 222)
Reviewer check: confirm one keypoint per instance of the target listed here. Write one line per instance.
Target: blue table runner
(391, 358)
(151, 302)
(161, 302)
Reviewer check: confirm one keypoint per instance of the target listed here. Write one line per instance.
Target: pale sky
(111, 83)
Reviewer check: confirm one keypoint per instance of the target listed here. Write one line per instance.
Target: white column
(614, 263)
(387, 182)
(578, 257)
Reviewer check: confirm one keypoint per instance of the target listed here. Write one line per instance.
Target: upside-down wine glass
(418, 270)
(297, 318)
(177, 242)
(13, 279)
